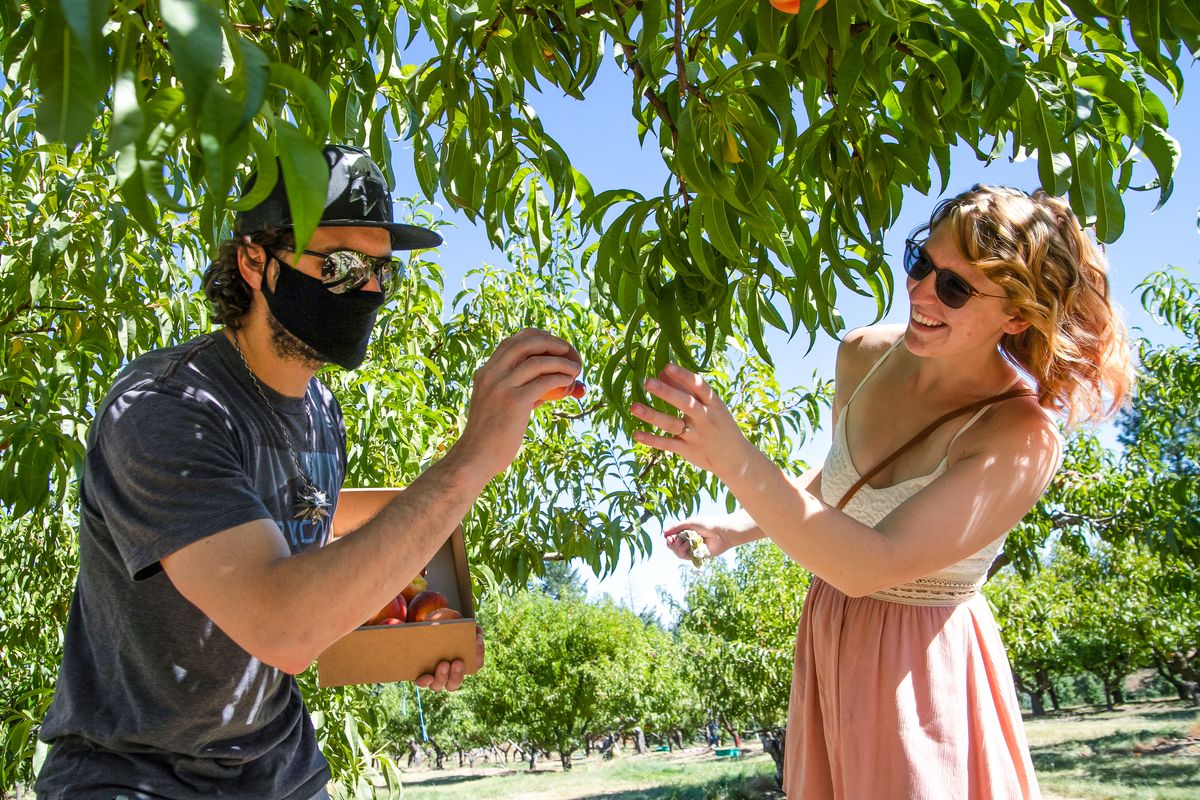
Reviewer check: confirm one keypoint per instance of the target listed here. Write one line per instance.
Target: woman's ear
(1016, 324)
(252, 261)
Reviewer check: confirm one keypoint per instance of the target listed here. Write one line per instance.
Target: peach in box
(385, 652)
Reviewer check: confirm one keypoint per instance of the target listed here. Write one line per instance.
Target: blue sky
(600, 137)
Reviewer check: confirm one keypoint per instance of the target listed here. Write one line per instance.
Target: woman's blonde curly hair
(1076, 346)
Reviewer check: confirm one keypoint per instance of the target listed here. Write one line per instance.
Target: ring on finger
(686, 429)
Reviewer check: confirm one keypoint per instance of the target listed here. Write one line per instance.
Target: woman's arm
(996, 474)
(981, 496)
(727, 531)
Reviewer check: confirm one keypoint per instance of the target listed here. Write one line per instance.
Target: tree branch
(680, 71)
(656, 102)
(585, 413)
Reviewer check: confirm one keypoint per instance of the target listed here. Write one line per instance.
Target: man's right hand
(507, 388)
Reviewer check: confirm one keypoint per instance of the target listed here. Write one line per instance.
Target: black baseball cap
(358, 197)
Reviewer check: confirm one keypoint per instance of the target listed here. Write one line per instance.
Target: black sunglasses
(345, 271)
(952, 289)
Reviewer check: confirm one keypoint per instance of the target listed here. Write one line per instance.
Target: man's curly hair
(224, 286)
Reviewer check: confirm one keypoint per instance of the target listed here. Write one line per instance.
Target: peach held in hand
(696, 546)
(576, 389)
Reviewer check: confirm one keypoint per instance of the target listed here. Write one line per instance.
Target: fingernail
(652, 384)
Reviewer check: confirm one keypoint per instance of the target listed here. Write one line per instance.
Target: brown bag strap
(933, 426)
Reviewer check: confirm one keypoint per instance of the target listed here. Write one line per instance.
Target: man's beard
(288, 347)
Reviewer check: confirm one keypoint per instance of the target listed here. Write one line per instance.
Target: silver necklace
(311, 504)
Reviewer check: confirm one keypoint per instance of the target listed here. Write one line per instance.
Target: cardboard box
(388, 653)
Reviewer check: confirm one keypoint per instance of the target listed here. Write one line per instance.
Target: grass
(690, 774)
(1142, 751)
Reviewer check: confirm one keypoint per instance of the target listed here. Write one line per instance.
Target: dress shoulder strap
(976, 406)
(975, 417)
(871, 371)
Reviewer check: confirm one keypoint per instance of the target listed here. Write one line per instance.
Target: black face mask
(337, 326)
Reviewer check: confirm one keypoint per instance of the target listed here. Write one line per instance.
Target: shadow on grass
(1164, 711)
(451, 780)
(730, 788)
(1112, 760)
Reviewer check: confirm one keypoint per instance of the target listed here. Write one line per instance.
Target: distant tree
(1147, 490)
(559, 671)
(1031, 615)
(737, 628)
(447, 721)
(561, 580)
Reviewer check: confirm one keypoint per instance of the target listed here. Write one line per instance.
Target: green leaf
(254, 75)
(1045, 131)
(70, 87)
(266, 169)
(127, 118)
(973, 27)
(944, 63)
(194, 35)
(311, 97)
(86, 20)
(1164, 153)
(1145, 24)
(1110, 87)
(306, 176)
(1110, 209)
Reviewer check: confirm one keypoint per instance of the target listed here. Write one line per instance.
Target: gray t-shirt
(153, 700)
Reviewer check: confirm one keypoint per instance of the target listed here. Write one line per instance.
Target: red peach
(397, 608)
(425, 603)
(575, 389)
(443, 613)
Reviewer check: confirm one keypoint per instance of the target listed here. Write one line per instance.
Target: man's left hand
(448, 675)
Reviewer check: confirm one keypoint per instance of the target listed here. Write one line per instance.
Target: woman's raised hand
(705, 434)
(717, 533)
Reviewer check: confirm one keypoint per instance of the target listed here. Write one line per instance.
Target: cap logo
(354, 181)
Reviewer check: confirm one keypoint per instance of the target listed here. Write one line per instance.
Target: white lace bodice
(956, 583)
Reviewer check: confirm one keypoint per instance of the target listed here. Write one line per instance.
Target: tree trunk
(564, 755)
(1046, 686)
(1183, 689)
(1038, 703)
(533, 753)
(678, 738)
(734, 732)
(774, 743)
(639, 740)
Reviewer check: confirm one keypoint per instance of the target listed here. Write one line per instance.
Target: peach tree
(786, 140)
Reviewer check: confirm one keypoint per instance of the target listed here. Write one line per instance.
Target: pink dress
(906, 693)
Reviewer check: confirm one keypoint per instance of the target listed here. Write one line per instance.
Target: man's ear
(252, 262)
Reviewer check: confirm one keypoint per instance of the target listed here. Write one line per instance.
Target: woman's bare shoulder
(862, 347)
(1019, 426)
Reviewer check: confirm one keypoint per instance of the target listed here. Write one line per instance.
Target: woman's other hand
(704, 433)
(718, 534)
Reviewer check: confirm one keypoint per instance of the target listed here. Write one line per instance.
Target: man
(212, 472)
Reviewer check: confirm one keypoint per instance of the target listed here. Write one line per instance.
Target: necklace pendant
(312, 505)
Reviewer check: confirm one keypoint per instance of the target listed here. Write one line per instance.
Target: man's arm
(285, 610)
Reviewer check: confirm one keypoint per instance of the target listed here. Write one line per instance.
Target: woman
(901, 686)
